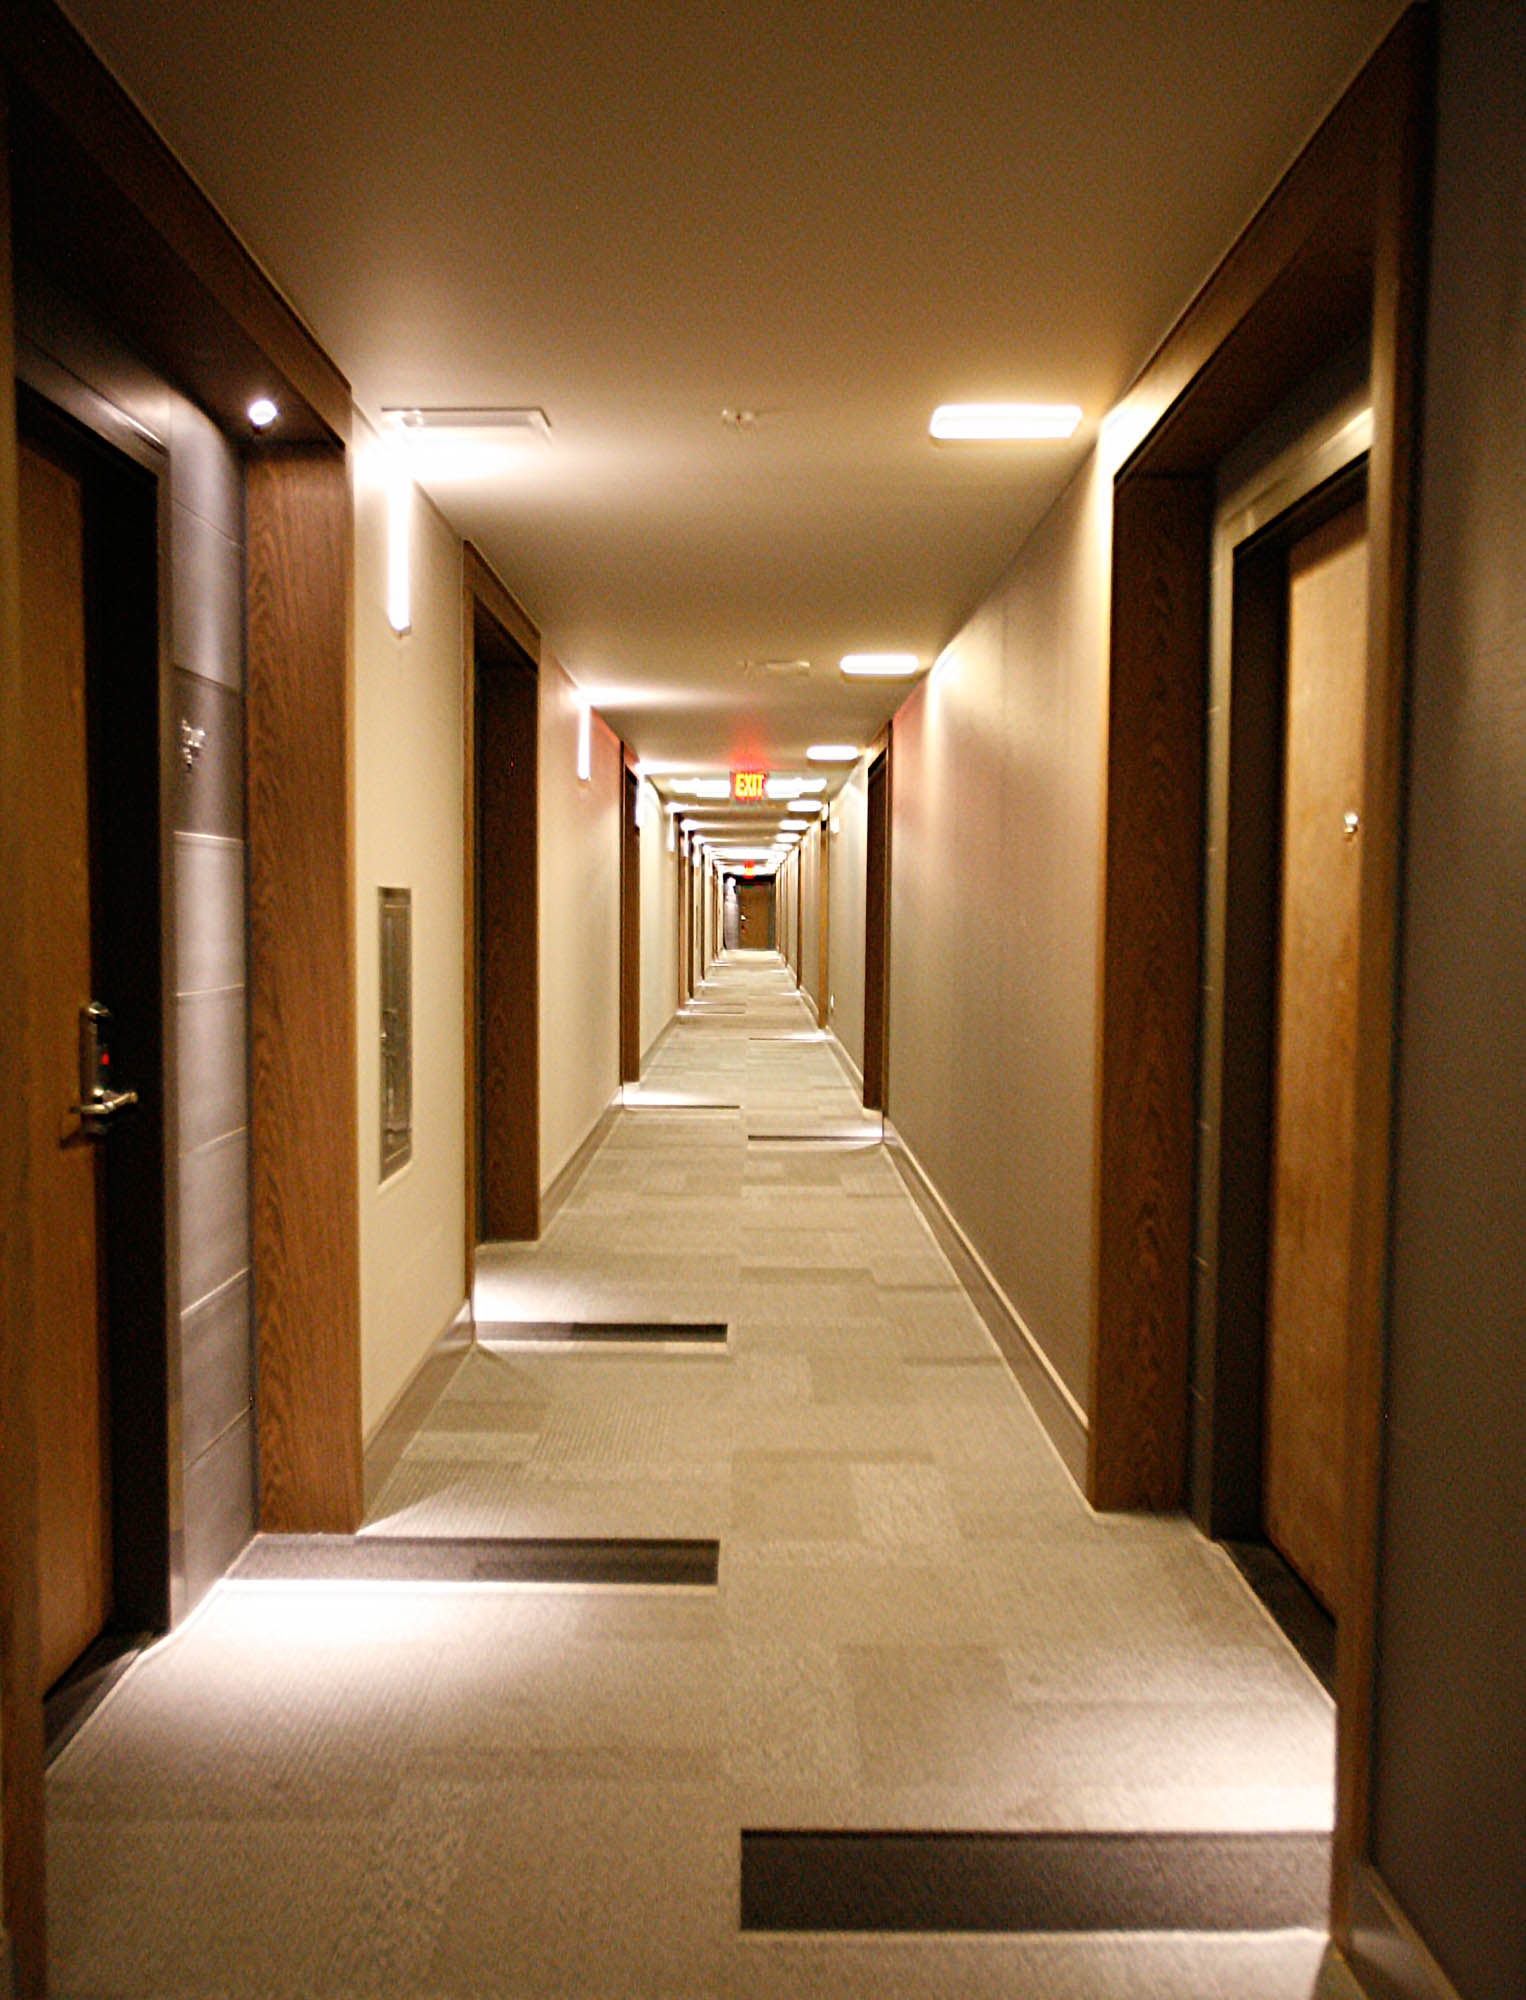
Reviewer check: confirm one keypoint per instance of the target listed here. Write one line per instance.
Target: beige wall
(659, 920)
(408, 834)
(848, 830)
(579, 924)
(997, 785)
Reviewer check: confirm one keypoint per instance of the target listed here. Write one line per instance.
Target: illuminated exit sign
(748, 785)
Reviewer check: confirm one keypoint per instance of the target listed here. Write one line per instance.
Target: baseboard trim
(659, 1038)
(412, 1403)
(1062, 1418)
(1386, 1954)
(855, 1074)
(555, 1196)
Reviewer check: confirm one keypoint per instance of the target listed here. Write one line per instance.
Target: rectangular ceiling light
(880, 666)
(1002, 422)
(834, 753)
(458, 418)
(703, 788)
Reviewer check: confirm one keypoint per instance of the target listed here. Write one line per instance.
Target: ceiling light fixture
(794, 825)
(1003, 422)
(263, 413)
(457, 417)
(880, 666)
(834, 753)
(703, 788)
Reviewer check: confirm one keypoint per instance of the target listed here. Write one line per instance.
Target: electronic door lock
(99, 1103)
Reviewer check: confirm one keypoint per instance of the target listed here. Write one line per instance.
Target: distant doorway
(877, 934)
(630, 927)
(755, 915)
(505, 939)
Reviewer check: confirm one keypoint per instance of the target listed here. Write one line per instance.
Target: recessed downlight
(880, 666)
(834, 753)
(1003, 422)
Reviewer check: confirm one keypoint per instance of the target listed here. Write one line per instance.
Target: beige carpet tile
(403, 1793)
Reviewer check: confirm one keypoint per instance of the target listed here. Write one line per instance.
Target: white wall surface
(659, 920)
(579, 924)
(848, 825)
(408, 834)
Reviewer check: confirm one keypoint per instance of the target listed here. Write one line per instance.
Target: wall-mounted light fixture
(263, 413)
(399, 543)
(585, 740)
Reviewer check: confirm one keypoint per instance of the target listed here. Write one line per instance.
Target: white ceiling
(833, 215)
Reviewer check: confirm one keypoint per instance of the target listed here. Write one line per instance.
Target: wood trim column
(1136, 1448)
(21, 1739)
(630, 928)
(303, 1090)
(823, 839)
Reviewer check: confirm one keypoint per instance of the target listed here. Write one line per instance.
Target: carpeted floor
(374, 1786)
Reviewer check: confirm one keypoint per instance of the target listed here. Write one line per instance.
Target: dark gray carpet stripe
(473, 1559)
(705, 1332)
(1061, 1882)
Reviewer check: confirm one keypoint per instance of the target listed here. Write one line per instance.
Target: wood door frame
(630, 920)
(1337, 252)
(823, 839)
(484, 594)
(877, 930)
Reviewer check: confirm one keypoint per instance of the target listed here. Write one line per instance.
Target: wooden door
(73, 1538)
(630, 929)
(876, 932)
(507, 946)
(1314, 1135)
(755, 916)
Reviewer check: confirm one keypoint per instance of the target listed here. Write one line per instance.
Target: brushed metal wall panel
(216, 1366)
(209, 913)
(214, 1217)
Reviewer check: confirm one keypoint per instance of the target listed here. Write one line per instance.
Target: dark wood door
(876, 932)
(755, 915)
(630, 929)
(73, 1521)
(508, 989)
(1314, 1135)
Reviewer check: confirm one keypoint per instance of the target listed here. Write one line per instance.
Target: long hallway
(738, 1331)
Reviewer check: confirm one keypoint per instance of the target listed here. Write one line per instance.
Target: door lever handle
(97, 1111)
